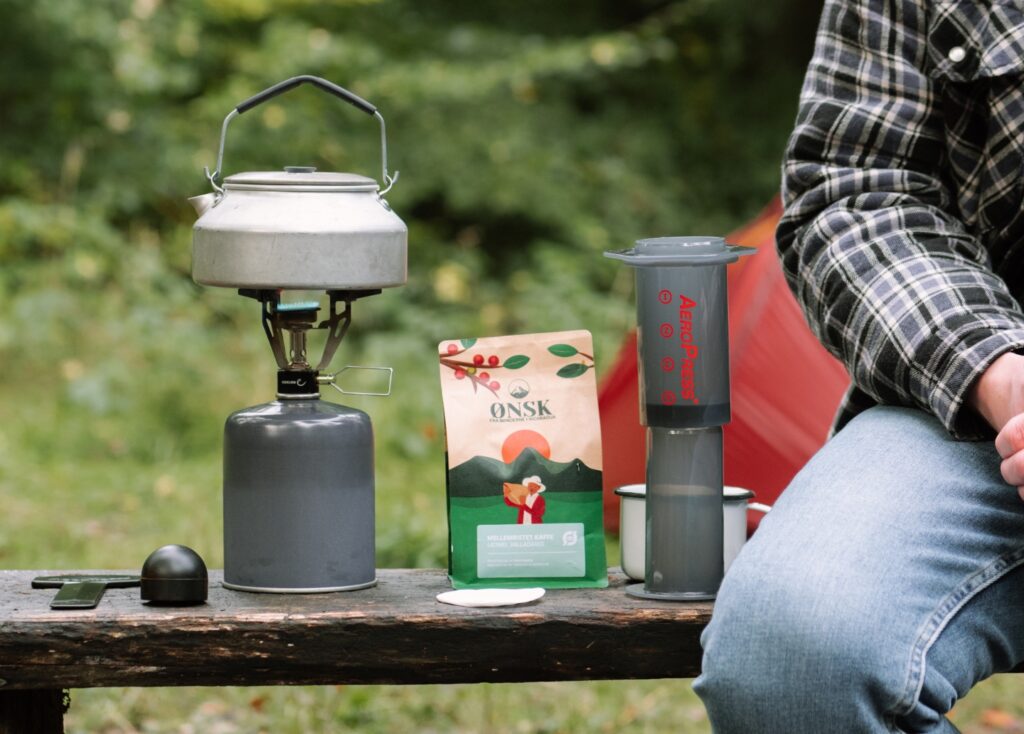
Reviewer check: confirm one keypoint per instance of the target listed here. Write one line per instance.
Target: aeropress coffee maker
(683, 344)
(299, 471)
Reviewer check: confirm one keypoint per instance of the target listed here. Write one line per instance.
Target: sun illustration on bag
(519, 441)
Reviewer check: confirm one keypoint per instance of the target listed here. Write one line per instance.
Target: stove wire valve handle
(332, 380)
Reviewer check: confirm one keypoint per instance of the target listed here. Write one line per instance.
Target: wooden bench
(394, 633)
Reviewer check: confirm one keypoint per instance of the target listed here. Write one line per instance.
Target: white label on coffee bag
(554, 550)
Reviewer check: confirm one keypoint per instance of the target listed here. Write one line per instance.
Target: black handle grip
(281, 87)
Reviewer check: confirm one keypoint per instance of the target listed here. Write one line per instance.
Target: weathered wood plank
(394, 633)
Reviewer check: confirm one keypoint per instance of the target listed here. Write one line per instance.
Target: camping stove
(299, 471)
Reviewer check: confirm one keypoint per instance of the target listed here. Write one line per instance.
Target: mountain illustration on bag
(479, 476)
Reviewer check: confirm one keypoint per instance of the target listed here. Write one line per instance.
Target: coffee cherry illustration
(478, 359)
(495, 385)
(471, 370)
(483, 376)
(460, 374)
(493, 360)
(453, 348)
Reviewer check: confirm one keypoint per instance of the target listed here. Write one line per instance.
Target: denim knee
(779, 656)
(822, 622)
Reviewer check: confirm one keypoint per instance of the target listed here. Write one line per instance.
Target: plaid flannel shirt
(903, 234)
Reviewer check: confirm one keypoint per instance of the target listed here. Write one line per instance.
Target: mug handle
(758, 507)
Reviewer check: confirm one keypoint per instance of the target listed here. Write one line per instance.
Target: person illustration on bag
(526, 497)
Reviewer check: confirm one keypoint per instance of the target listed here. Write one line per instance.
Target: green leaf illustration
(563, 350)
(467, 343)
(516, 361)
(573, 370)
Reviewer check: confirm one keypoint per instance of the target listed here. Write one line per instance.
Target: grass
(600, 706)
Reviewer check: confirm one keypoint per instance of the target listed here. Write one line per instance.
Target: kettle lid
(300, 178)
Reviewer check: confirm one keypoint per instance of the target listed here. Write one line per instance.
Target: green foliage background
(530, 137)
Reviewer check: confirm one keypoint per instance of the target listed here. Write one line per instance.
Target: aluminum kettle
(299, 228)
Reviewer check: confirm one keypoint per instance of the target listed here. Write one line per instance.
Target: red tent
(785, 386)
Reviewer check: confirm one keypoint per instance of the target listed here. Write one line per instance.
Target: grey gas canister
(298, 498)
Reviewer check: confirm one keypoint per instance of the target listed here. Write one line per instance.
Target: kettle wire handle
(280, 88)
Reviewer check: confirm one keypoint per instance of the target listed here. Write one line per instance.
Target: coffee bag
(524, 461)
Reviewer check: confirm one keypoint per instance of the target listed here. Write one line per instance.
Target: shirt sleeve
(889, 278)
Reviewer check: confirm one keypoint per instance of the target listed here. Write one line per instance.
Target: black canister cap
(174, 574)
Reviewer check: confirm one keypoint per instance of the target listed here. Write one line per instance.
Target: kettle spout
(203, 203)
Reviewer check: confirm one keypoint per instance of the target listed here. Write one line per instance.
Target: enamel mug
(633, 520)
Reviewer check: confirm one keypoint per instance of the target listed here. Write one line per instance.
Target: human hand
(998, 396)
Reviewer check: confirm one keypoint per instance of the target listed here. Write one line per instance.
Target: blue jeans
(887, 580)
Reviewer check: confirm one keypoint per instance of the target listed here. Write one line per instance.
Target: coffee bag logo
(520, 411)
(519, 388)
(570, 538)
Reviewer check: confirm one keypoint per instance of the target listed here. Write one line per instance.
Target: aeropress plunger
(683, 344)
